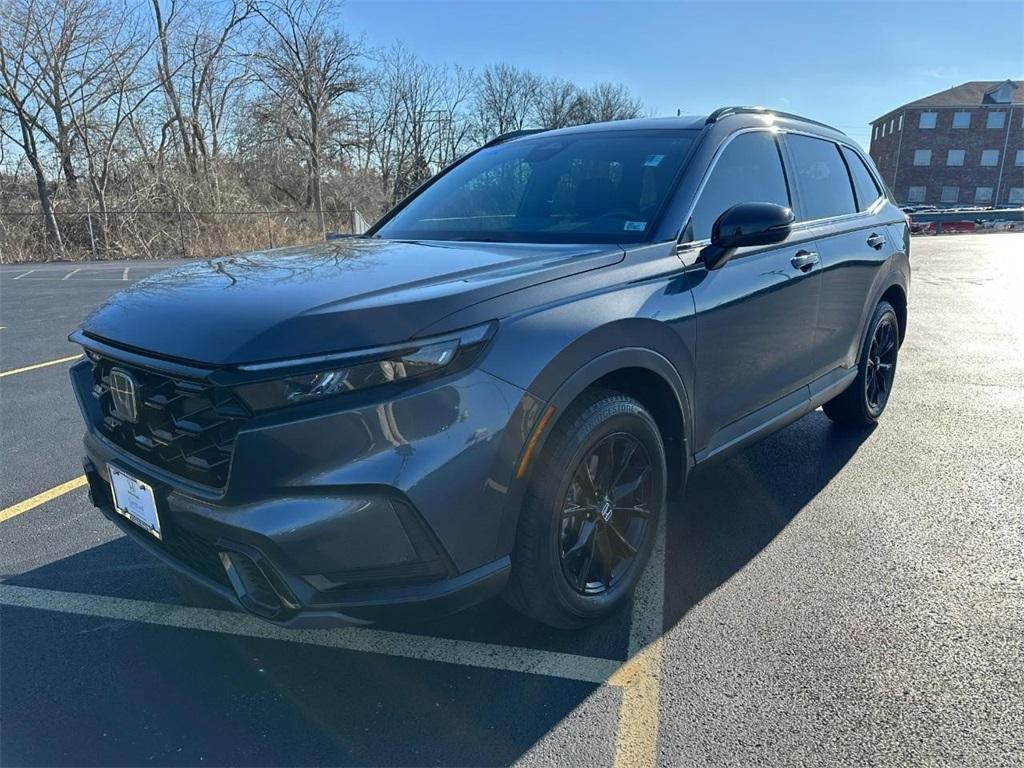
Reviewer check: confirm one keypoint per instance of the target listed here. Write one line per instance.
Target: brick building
(961, 146)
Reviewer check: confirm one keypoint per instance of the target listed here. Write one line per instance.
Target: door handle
(804, 260)
(876, 241)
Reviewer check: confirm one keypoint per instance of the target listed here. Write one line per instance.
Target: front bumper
(344, 516)
(232, 562)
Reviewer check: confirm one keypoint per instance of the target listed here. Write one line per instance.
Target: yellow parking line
(38, 365)
(41, 498)
(636, 742)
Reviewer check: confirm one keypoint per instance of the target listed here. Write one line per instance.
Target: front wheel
(591, 513)
(862, 402)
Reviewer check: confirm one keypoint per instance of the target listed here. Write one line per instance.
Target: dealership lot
(824, 597)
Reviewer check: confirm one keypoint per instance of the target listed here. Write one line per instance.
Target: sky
(843, 63)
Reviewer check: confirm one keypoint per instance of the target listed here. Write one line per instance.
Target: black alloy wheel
(591, 513)
(862, 403)
(605, 516)
(880, 365)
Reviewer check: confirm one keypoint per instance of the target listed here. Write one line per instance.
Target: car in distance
(497, 388)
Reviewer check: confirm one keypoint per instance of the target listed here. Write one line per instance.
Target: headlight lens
(394, 365)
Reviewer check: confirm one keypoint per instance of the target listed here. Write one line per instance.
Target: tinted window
(749, 170)
(605, 187)
(863, 181)
(825, 188)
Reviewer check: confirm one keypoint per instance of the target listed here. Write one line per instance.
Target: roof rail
(512, 135)
(721, 112)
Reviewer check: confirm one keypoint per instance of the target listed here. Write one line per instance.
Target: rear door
(839, 203)
(756, 314)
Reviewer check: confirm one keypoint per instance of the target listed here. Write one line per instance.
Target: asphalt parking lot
(825, 597)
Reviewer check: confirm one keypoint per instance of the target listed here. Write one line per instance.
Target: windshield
(605, 187)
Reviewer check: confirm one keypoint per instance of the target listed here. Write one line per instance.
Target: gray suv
(496, 389)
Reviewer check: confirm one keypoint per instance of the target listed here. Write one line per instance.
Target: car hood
(334, 296)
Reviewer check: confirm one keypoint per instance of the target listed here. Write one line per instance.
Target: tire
(864, 401)
(605, 440)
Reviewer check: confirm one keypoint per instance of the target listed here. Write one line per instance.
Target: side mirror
(744, 225)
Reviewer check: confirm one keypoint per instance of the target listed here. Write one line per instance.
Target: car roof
(740, 117)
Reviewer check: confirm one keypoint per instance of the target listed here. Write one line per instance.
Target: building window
(876, 133)
(950, 195)
(916, 194)
(990, 157)
(922, 157)
(995, 120)
(955, 157)
(961, 119)
(892, 126)
(927, 120)
(901, 122)
(983, 195)
(1016, 196)
(1019, 160)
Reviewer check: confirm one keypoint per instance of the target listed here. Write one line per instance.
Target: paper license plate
(134, 499)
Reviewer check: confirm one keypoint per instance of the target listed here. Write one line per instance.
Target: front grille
(183, 426)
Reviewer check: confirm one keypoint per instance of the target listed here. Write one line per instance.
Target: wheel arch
(639, 372)
(896, 296)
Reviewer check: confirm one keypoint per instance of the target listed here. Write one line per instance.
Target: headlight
(370, 368)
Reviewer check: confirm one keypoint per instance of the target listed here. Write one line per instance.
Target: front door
(755, 315)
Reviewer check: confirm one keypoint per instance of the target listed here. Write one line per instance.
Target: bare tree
(505, 99)
(610, 101)
(20, 99)
(200, 71)
(308, 67)
(153, 115)
(118, 88)
(560, 103)
(413, 121)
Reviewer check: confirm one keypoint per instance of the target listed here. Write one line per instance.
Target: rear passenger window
(863, 182)
(749, 170)
(825, 188)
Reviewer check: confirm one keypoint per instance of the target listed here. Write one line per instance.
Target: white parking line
(72, 272)
(23, 274)
(124, 275)
(505, 658)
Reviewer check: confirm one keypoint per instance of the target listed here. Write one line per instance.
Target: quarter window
(983, 195)
(955, 157)
(825, 187)
(749, 170)
(961, 119)
(950, 195)
(990, 157)
(927, 120)
(863, 182)
(922, 157)
(916, 194)
(995, 120)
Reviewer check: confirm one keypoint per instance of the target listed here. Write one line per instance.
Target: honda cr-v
(497, 388)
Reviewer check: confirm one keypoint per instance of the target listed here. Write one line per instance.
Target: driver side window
(749, 170)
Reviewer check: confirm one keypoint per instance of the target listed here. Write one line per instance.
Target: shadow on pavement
(79, 690)
(734, 508)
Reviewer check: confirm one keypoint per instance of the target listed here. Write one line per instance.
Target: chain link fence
(157, 234)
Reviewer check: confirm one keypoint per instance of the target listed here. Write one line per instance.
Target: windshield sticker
(654, 160)
(635, 226)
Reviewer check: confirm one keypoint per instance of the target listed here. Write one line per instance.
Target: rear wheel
(864, 401)
(591, 514)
